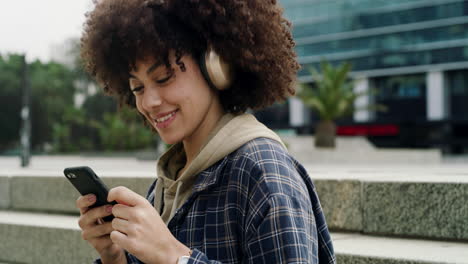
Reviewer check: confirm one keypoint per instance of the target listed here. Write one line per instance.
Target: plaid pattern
(257, 205)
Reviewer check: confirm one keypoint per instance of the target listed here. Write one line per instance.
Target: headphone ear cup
(218, 73)
(204, 71)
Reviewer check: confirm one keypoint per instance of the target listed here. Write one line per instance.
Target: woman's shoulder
(263, 150)
(269, 166)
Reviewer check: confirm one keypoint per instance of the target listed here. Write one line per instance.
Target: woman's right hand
(97, 232)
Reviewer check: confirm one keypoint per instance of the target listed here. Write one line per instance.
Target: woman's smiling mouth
(165, 120)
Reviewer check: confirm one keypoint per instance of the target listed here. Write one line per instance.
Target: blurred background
(47, 101)
(413, 53)
(408, 56)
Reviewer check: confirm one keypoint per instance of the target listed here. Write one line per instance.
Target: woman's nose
(151, 98)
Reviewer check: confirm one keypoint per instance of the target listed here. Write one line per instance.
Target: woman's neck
(194, 143)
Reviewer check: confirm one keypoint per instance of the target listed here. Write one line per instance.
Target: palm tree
(332, 97)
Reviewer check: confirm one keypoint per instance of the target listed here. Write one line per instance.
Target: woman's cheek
(139, 107)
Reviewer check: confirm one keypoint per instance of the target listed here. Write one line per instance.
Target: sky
(34, 27)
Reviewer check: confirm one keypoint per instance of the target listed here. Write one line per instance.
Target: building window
(404, 95)
(458, 90)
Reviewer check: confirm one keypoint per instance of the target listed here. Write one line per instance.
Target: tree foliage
(97, 125)
(52, 92)
(333, 95)
(124, 131)
(10, 101)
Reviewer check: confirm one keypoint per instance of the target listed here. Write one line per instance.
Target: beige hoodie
(230, 133)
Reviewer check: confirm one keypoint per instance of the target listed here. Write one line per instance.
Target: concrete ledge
(357, 249)
(437, 210)
(40, 238)
(44, 238)
(341, 199)
(4, 192)
(56, 194)
(341, 203)
(424, 202)
(352, 259)
(396, 203)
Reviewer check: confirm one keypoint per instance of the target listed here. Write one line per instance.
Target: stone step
(431, 204)
(51, 191)
(424, 202)
(42, 238)
(362, 249)
(45, 238)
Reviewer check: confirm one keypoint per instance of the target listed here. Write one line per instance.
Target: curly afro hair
(252, 35)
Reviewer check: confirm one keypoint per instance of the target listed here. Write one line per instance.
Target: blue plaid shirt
(257, 205)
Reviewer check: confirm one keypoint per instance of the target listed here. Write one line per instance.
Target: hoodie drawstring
(176, 199)
(158, 200)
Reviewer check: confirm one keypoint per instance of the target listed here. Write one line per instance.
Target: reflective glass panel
(381, 19)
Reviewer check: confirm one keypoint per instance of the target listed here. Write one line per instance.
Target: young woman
(227, 191)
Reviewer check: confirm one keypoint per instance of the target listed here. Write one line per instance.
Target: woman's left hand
(139, 229)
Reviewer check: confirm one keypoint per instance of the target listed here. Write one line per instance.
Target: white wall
(296, 112)
(437, 96)
(362, 85)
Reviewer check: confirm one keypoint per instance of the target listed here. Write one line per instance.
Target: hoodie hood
(230, 133)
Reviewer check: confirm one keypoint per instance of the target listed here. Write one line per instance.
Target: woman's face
(179, 105)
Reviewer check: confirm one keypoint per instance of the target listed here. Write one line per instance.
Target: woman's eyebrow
(153, 67)
(150, 69)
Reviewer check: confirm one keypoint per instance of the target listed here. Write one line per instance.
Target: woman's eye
(165, 79)
(137, 89)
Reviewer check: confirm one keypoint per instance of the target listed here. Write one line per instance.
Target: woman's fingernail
(91, 198)
(109, 209)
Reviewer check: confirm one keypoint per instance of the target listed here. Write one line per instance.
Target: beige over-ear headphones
(217, 72)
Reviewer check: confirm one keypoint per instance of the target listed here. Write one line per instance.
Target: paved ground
(58, 163)
(353, 154)
(54, 165)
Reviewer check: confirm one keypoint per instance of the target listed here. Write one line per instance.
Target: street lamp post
(25, 115)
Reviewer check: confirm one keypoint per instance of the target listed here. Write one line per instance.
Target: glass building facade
(384, 34)
(413, 52)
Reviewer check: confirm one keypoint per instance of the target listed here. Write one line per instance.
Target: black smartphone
(86, 182)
